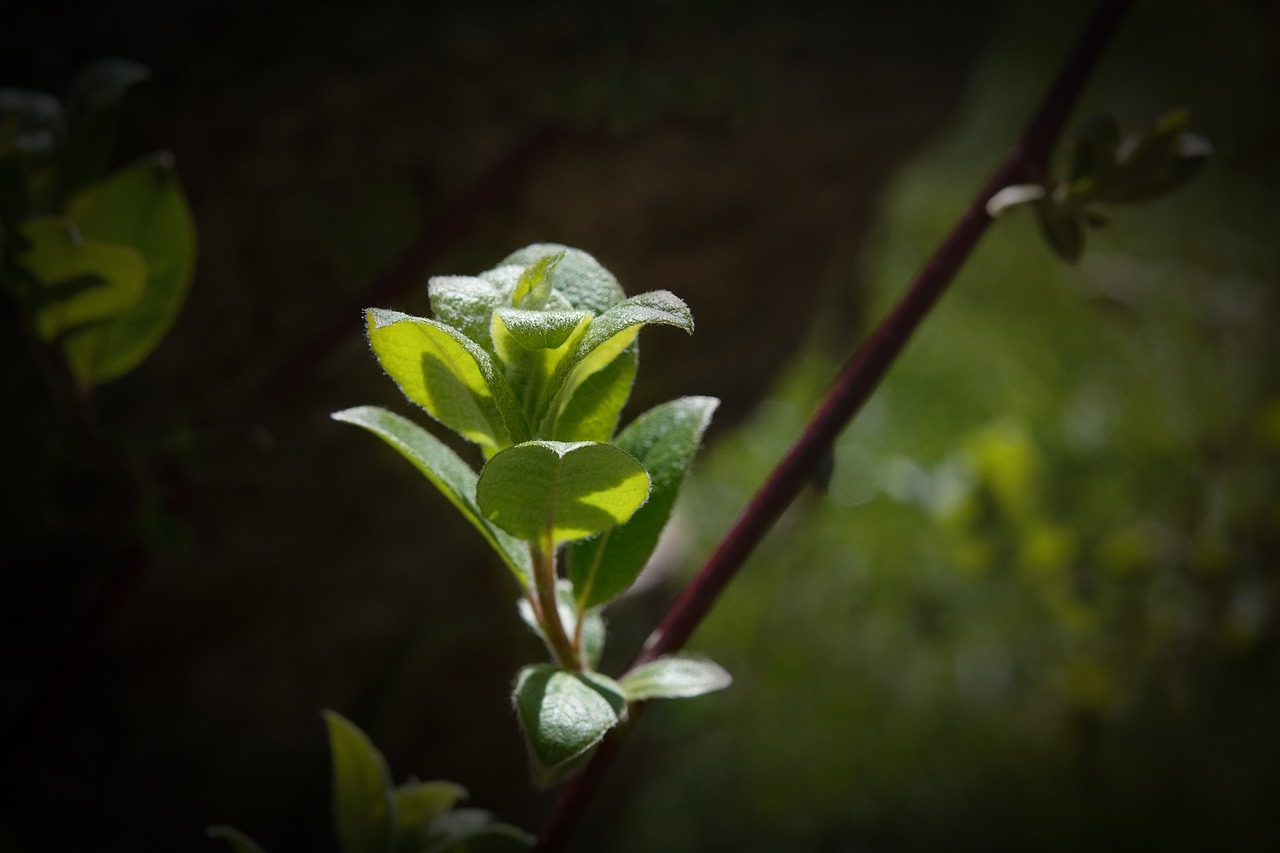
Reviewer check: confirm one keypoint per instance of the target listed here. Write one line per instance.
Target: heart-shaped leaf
(449, 376)
(563, 714)
(450, 474)
(674, 678)
(664, 440)
(363, 801)
(555, 491)
(142, 207)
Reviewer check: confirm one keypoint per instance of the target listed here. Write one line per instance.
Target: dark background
(334, 156)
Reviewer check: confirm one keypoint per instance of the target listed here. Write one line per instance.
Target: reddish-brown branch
(1026, 161)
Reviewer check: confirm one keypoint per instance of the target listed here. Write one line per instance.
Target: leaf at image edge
(363, 802)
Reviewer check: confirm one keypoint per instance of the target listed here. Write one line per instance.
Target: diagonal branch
(1025, 161)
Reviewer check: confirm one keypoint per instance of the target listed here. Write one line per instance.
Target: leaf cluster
(532, 361)
(370, 815)
(1109, 169)
(99, 262)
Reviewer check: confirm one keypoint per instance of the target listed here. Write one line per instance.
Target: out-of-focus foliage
(101, 263)
(1038, 607)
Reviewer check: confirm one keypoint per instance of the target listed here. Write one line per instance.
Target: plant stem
(1025, 161)
(547, 608)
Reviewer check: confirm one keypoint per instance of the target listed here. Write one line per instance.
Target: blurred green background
(1037, 608)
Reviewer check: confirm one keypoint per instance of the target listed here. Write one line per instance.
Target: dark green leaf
(363, 802)
(142, 207)
(664, 440)
(564, 714)
(578, 277)
(236, 840)
(558, 491)
(1063, 229)
(1093, 154)
(674, 678)
(450, 474)
(93, 112)
(449, 376)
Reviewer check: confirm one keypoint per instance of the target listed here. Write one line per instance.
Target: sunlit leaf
(532, 345)
(142, 207)
(448, 375)
(559, 491)
(578, 277)
(664, 440)
(363, 801)
(563, 714)
(674, 678)
(592, 412)
(451, 475)
(609, 334)
(467, 303)
(533, 288)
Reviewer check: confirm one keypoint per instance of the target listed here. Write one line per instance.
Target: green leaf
(93, 111)
(593, 630)
(560, 491)
(578, 277)
(1063, 230)
(610, 334)
(564, 714)
(142, 207)
(449, 376)
(533, 288)
(1156, 162)
(444, 468)
(674, 678)
(418, 806)
(84, 281)
(466, 303)
(592, 412)
(363, 803)
(664, 440)
(237, 840)
(532, 345)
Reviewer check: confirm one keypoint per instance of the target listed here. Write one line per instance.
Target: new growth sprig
(533, 361)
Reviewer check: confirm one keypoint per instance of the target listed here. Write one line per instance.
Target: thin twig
(1026, 160)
